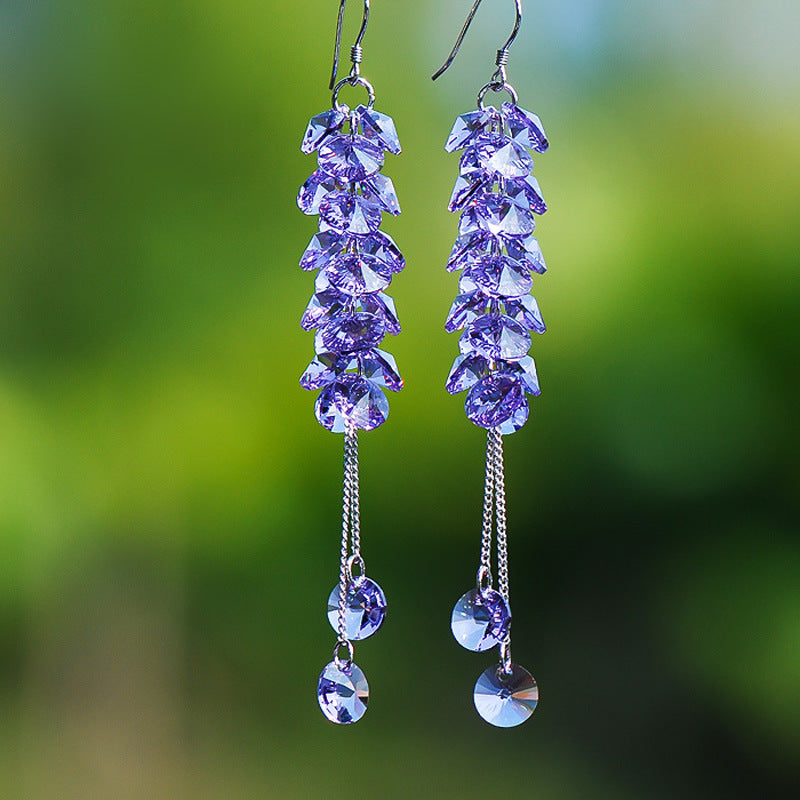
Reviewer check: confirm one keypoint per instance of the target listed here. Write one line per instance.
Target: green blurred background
(169, 505)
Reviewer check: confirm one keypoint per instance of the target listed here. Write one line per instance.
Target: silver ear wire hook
(356, 55)
(499, 80)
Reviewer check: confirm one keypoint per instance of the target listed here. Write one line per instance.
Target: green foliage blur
(169, 505)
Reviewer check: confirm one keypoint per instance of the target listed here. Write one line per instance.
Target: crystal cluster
(497, 254)
(355, 262)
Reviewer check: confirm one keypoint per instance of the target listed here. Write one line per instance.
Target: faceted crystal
(380, 368)
(501, 276)
(322, 126)
(379, 128)
(350, 158)
(505, 158)
(365, 608)
(346, 333)
(506, 700)
(526, 128)
(351, 399)
(527, 249)
(470, 223)
(495, 337)
(503, 214)
(525, 310)
(469, 246)
(324, 369)
(497, 401)
(381, 189)
(524, 371)
(321, 305)
(469, 127)
(480, 619)
(343, 693)
(350, 213)
(466, 307)
(356, 273)
(463, 191)
(466, 372)
(382, 246)
(533, 192)
(314, 191)
(322, 247)
(383, 306)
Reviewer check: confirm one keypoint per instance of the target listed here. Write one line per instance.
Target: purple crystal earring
(497, 255)
(351, 315)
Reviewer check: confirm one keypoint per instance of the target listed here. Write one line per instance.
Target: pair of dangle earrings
(497, 255)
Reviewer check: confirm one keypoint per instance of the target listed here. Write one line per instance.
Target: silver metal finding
(346, 643)
(499, 80)
(500, 514)
(356, 56)
(347, 499)
(505, 657)
(488, 513)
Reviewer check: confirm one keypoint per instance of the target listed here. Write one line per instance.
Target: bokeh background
(169, 505)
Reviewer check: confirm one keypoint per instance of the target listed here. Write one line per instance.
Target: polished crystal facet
(501, 214)
(350, 213)
(469, 127)
(481, 619)
(466, 307)
(463, 191)
(380, 368)
(365, 608)
(324, 369)
(527, 249)
(322, 247)
(525, 310)
(524, 371)
(533, 192)
(322, 126)
(379, 128)
(526, 128)
(343, 693)
(496, 337)
(497, 401)
(381, 189)
(348, 332)
(506, 700)
(350, 158)
(505, 158)
(466, 372)
(383, 247)
(351, 399)
(355, 274)
(469, 247)
(314, 191)
(501, 276)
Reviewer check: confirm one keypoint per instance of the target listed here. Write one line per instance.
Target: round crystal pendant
(480, 619)
(343, 692)
(506, 700)
(365, 608)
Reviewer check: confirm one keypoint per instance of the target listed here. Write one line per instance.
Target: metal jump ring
(338, 661)
(484, 580)
(353, 80)
(496, 86)
(353, 560)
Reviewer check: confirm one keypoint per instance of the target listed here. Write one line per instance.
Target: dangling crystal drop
(365, 608)
(506, 700)
(480, 619)
(343, 692)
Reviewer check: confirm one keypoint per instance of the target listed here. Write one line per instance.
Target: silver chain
(500, 514)
(485, 572)
(347, 499)
(355, 505)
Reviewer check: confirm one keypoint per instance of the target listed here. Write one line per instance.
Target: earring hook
(502, 54)
(355, 50)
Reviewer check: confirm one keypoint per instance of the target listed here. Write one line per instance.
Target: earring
(497, 254)
(351, 315)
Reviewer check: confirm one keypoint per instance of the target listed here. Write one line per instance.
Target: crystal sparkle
(354, 262)
(498, 256)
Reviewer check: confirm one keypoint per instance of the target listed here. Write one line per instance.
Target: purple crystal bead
(350, 213)
(343, 692)
(321, 126)
(466, 307)
(350, 158)
(469, 246)
(380, 368)
(464, 191)
(495, 337)
(505, 158)
(527, 249)
(502, 214)
(469, 127)
(525, 310)
(379, 128)
(480, 620)
(497, 401)
(380, 189)
(533, 193)
(314, 191)
(355, 274)
(506, 700)
(365, 608)
(348, 332)
(501, 276)
(351, 399)
(466, 372)
(322, 247)
(524, 371)
(382, 246)
(322, 305)
(526, 128)
(324, 369)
